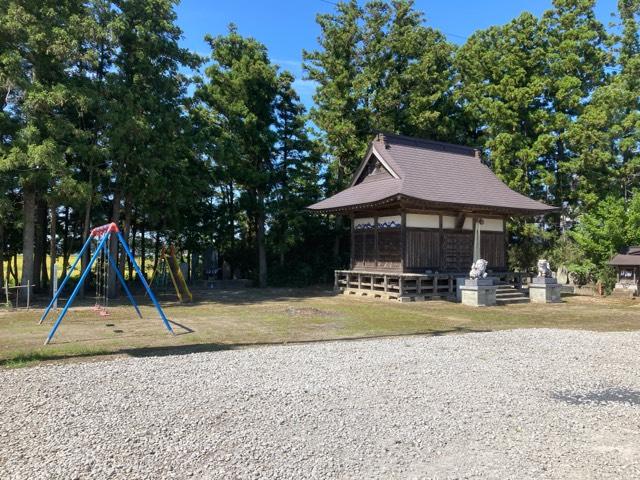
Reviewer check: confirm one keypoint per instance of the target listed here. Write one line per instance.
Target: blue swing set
(102, 235)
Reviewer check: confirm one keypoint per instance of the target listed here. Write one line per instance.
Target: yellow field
(76, 273)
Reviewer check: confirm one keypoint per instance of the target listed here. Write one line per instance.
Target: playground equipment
(168, 264)
(101, 235)
(13, 300)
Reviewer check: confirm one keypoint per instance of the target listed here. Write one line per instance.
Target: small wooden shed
(416, 207)
(627, 265)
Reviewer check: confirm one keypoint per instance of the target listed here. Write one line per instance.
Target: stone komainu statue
(544, 271)
(479, 269)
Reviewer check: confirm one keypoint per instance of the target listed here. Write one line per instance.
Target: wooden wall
(457, 251)
(435, 249)
(423, 248)
(493, 249)
(386, 256)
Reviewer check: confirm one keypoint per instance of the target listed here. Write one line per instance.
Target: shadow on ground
(599, 397)
(168, 350)
(236, 296)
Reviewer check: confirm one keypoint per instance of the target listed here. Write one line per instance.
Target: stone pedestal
(479, 292)
(544, 290)
(625, 289)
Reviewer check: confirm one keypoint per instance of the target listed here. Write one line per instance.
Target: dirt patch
(310, 312)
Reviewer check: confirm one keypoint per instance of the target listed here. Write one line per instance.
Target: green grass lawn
(230, 319)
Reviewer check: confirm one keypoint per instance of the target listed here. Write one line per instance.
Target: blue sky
(288, 26)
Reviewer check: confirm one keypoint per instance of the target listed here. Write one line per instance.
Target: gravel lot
(515, 404)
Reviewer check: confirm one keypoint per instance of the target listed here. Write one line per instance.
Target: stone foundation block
(545, 293)
(479, 295)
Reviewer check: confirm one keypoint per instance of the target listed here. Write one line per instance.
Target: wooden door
(457, 251)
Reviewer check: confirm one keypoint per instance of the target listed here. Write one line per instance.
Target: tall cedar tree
(146, 92)
(296, 170)
(44, 41)
(240, 93)
(606, 136)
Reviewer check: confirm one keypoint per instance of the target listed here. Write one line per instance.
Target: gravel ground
(514, 404)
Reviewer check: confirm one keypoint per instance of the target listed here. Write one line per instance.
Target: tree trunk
(65, 245)
(10, 271)
(232, 229)
(15, 269)
(44, 246)
(52, 244)
(113, 246)
(86, 226)
(1, 254)
(188, 279)
(156, 252)
(336, 241)
(28, 235)
(339, 219)
(262, 254)
(143, 248)
(134, 237)
(126, 229)
(40, 241)
(195, 267)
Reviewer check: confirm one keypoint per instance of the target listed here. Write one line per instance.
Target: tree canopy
(106, 117)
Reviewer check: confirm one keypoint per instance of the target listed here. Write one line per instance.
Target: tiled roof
(441, 174)
(625, 260)
(629, 256)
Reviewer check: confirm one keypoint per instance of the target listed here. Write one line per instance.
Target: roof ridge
(425, 142)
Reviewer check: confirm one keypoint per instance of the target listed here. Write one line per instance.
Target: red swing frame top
(97, 232)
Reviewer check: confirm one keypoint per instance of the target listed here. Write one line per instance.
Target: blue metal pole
(124, 284)
(144, 282)
(77, 289)
(66, 277)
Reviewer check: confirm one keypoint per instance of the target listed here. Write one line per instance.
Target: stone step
(511, 295)
(511, 301)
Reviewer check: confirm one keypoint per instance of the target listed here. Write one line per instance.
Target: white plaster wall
(419, 220)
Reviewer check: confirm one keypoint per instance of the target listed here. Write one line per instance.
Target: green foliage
(606, 229)
(528, 243)
(378, 68)
(97, 123)
(501, 75)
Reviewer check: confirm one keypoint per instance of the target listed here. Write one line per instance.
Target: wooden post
(440, 246)
(353, 243)
(386, 283)
(400, 286)
(403, 240)
(6, 292)
(28, 293)
(335, 280)
(375, 240)
(359, 281)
